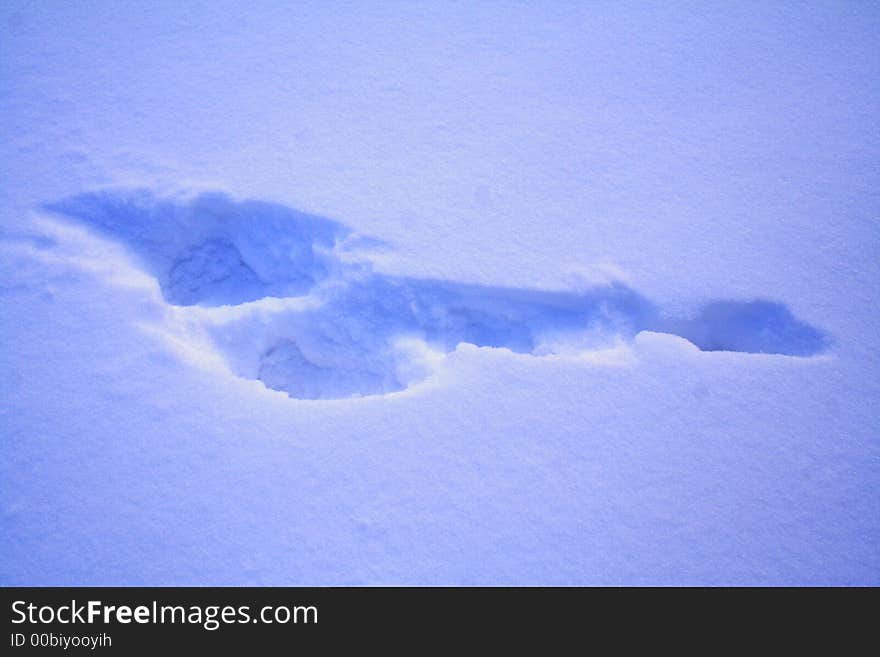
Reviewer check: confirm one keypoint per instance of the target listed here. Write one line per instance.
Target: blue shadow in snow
(214, 251)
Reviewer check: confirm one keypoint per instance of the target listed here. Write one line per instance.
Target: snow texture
(549, 293)
(215, 252)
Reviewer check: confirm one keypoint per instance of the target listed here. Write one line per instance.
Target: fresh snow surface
(439, 293)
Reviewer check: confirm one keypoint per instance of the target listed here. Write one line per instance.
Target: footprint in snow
(213, 251)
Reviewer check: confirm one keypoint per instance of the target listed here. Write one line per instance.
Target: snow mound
(230, 260)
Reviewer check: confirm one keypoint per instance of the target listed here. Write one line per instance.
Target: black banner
(160, 619)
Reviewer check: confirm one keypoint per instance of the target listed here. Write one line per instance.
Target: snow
(557, 293)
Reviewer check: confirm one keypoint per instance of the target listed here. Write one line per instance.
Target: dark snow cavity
(214, 251)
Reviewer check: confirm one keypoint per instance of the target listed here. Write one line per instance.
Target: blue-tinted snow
(423, 205)
(340, 341)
